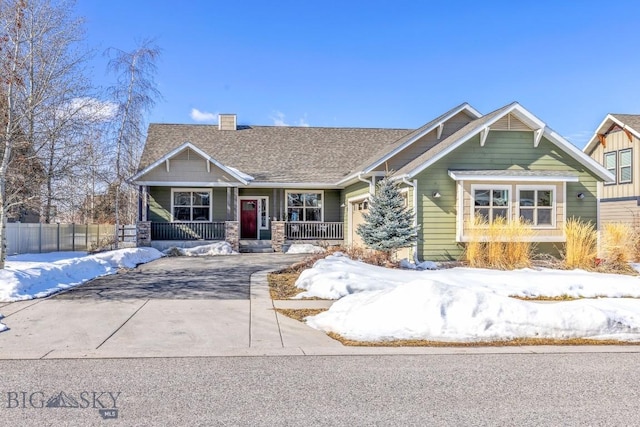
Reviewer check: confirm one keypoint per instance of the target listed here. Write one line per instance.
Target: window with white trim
(624, 160)
(304, 206)
(264, 213)
(610, 164)
(191, 205)
(536, 205)
(491, 202)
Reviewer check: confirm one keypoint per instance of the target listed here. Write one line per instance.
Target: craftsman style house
(615, 146)
(284, 184)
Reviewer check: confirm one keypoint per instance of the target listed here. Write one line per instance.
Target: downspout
(371, 188)
(414, 185)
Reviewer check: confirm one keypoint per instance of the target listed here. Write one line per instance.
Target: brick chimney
(227, 122)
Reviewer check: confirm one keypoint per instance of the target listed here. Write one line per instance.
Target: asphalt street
(489, 389)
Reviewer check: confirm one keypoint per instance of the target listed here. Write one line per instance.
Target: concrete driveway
(172, 307)
(216, 277)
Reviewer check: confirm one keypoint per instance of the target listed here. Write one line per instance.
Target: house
(284, 184)
(613, 146)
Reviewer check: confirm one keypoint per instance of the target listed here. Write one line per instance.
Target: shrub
(618, 245)
(581, 246)
(501, 244)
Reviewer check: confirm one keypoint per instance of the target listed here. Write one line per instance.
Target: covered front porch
(273, 216)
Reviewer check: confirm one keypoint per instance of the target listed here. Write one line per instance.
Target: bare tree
(10, 63)
(135, 93)
(43, 113)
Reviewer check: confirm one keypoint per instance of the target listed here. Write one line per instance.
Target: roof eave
(181, 148)
(463, 107)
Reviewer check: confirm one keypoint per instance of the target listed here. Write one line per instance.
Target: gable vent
(509, 122)
(227, 122)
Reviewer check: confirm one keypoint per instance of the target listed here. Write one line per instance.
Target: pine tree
(388, 225)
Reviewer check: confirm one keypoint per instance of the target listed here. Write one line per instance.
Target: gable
(510, 122)
(186, 167)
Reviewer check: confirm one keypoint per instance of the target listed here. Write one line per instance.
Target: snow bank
(337, 276)
(430, 310)
(218, 248)
(38, 275)
(304, 248)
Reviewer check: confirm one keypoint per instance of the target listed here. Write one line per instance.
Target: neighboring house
(317, 181)
(614, 145)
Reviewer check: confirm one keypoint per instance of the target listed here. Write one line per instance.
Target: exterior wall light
(580, 195)
(436, 194)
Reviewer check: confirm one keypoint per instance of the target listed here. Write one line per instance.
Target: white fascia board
(579, 155)
(463, 107)
(549, 133)
(307, 185)
(172, 153)
(594, 139)
(510, 178)
(198, 184)
(303, 185)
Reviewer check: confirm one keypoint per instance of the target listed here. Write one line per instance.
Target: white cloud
(202, 116)
(278, 118)
(303, 122)
(86, 108)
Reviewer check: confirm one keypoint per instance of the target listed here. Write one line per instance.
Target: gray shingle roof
(631, 120)
(387, 148)
(451, 140)
(274, 153)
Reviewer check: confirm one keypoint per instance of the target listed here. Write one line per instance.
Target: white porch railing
(314, 230)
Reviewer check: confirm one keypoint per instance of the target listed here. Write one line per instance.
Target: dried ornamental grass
(618, 244)
(581, 246)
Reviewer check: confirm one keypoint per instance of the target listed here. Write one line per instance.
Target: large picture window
(304, 206)
(625, 166)
(191, 205)
(490, 203)
(537, 206)
(610, 164)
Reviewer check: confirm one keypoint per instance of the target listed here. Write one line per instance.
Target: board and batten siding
(160, 203)
(427, 141)
(188, 166)
(512, 150)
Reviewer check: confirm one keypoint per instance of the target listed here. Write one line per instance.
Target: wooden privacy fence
(35, 238)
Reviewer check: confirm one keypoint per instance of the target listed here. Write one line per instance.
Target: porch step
(255, 246)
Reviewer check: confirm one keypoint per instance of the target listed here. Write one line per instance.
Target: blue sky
(380, 63)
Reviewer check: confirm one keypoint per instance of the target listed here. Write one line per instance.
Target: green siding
(502, 150)
(160, 204)
(332, 210)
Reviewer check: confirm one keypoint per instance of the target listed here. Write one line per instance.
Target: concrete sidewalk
(132, 328)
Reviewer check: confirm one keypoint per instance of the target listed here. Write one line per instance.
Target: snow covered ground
(466, 304)
(304, 248)
(38, 275)
(213, 249)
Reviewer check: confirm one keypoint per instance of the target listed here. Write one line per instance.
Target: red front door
(248, 219)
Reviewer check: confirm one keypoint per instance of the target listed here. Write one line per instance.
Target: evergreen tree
(388, 225)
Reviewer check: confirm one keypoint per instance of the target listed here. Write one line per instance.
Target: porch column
(143, 233)
(236, 215)
(277, 235)
(144, 202)
(229, 206)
